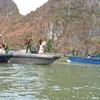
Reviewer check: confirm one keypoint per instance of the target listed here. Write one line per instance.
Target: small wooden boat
(30, 58)
(4, 58)
(83, 60)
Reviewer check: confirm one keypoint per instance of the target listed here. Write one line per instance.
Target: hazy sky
(26, 6)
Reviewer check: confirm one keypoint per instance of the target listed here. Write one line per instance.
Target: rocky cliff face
(75, 23)
(7, 7)
(9, 14)
(69, 23)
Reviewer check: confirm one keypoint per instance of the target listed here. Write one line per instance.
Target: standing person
(41, 49)
(73, 52)
(48, 45)
(39, 43)
(42, 46)
(2, 51)
(5, 47)
(28, 44)
(96, 54)
(77, 51)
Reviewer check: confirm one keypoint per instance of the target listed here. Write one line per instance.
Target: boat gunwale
(83, 58)
(35, 56)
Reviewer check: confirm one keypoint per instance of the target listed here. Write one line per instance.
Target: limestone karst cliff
(69, 23)
(7, 7)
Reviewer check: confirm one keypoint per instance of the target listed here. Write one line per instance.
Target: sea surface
(58, 81)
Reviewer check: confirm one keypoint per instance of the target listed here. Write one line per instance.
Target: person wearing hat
(28, 44)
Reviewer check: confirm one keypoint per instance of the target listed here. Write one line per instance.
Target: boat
(4, 58)
(33, 58)
(87, 60)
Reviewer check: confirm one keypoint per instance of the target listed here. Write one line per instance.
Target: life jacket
(77, 50)
(28, 41)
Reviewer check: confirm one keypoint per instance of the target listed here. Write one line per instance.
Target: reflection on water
(59, 81)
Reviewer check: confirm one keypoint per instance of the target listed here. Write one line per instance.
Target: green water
(59, 81)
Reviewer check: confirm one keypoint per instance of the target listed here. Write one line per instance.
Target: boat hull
(83, 60)
(40, 59)
(4, 58)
